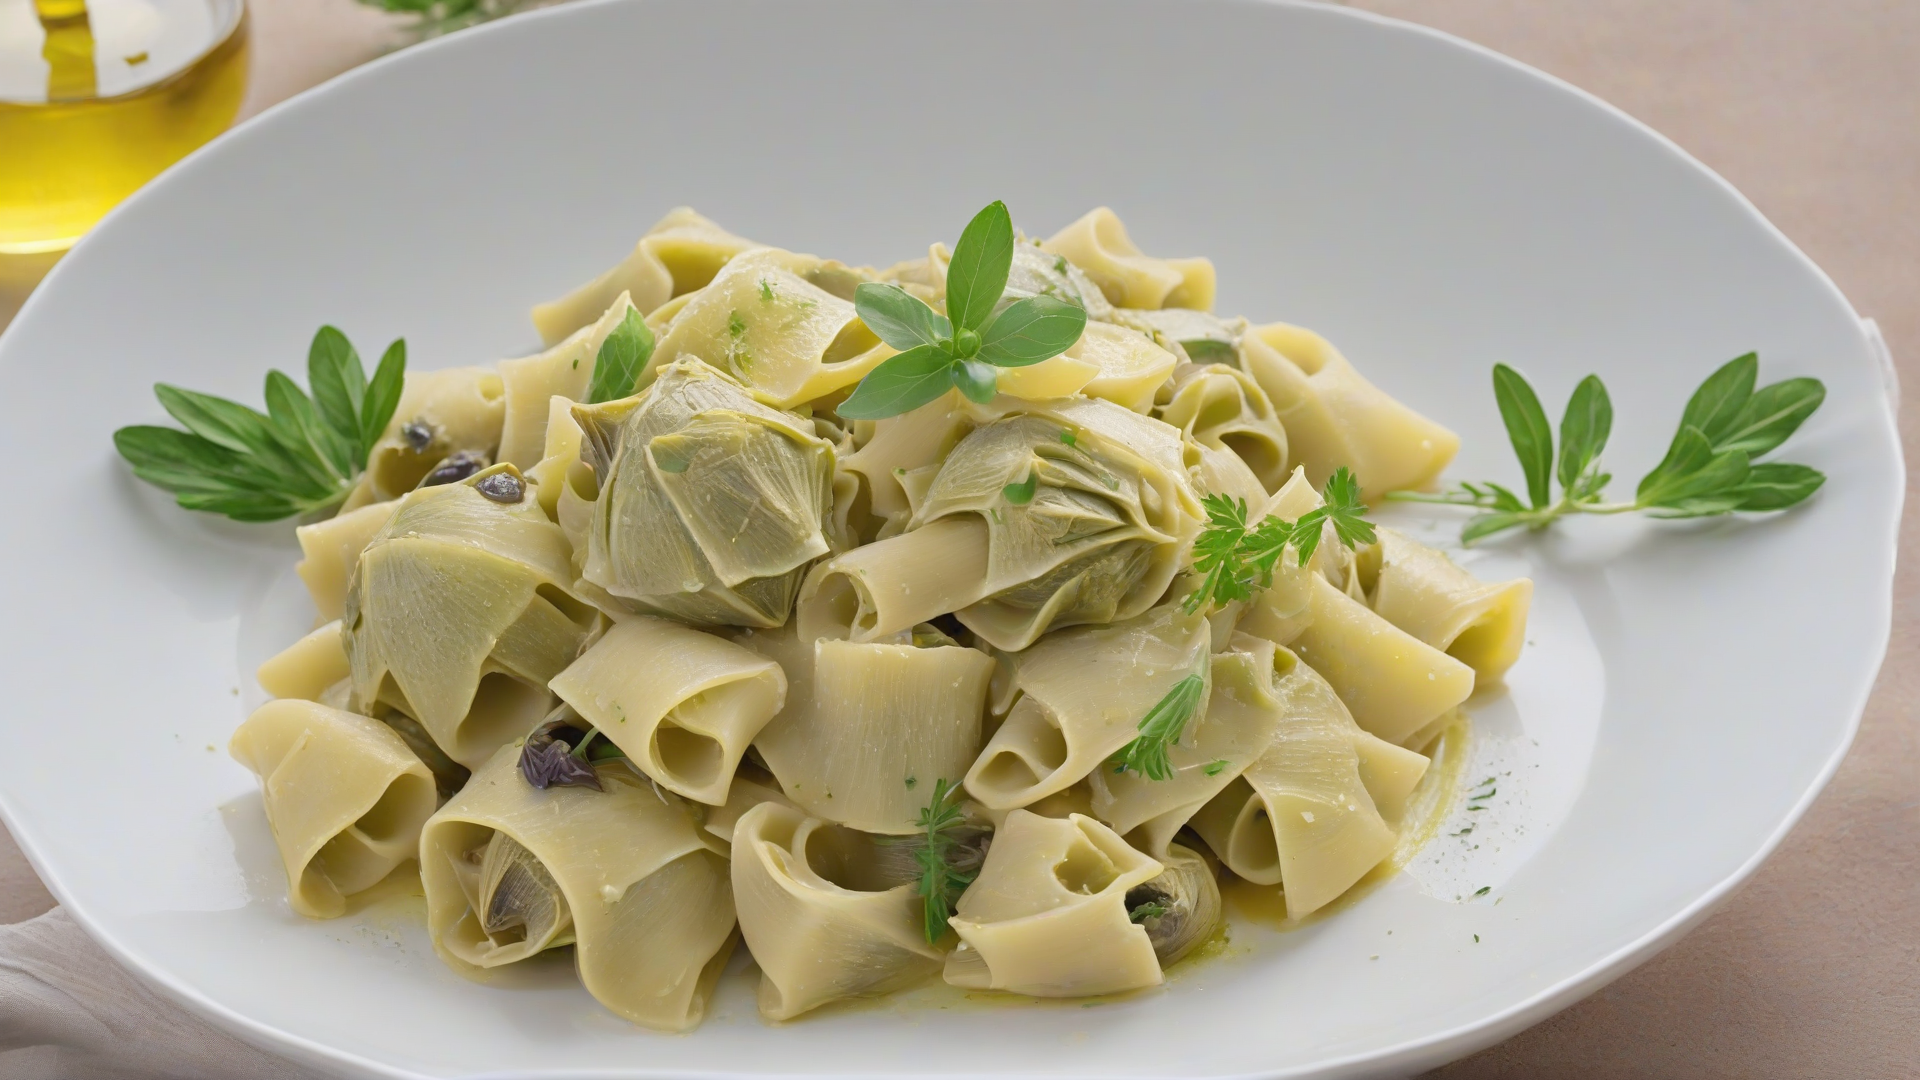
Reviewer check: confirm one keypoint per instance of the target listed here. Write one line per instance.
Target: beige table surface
(1812, 108)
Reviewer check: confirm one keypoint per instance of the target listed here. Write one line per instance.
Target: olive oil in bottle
(98, 96)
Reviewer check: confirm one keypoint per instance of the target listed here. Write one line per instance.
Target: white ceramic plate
(1429, 206)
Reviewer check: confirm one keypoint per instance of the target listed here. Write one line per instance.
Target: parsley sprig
(941, 881)
(1160, 729)
(1238, 559)
(965, 347)
(302, 456)
(1709, 468)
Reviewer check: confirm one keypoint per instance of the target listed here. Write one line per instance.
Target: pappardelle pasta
(970, 619)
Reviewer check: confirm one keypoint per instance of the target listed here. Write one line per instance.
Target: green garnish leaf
(1031, 330)
(382, 397)
(1527, 428)
(1160, 729)
(898, 318)
(1708, 469)
(1237, 559)
(301, 456)
(1209, 351)
(900, 384)
(978, 381)
(1777, 485)
(1149, 910)
(1021, 494)
(1069, 438)
(1215, 768)
(977, 275)
(1584, 429)
(940, 883)
(622, 357)
(962, 348)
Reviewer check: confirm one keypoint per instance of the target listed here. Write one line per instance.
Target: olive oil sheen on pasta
(98, 96)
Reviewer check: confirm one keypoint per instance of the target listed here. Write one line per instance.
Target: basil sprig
(965, 347)
(303, 455)
(1709, 468)
(621, 359)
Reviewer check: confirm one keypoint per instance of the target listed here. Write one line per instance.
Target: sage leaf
(621, 359)
(1210, 351)
(1031, 330)
(1584, 428)
(1528, 430)
(900, 384)
(978, 273)
(1771, 415)
(898, 318)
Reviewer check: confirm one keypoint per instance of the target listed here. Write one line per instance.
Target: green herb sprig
(433, 18)
(965, 347)
(302, 456)
(621, 359)
(1709, 468)
(941, 883)
(1238, 559)
(1160, 729)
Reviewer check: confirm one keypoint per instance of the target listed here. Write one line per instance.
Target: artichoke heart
(1081, 529)
(517, 899)
(1181, 908)
(458, 613)
(710, 503)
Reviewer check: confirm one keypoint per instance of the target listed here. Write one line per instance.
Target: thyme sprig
(966, 347)
(941, 882)
(1709, 468)
(1238, 558)
(302, 456)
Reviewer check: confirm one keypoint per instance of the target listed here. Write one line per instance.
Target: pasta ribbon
(624, 874)
(682, 252)
(1048, 914)
(345, 799)
(682, 704)
(823, 921)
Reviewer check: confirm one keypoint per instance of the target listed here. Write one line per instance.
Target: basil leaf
(302, 430)
(1487, 524)
(1031, 330)
(1777, 485)
(1584, 428)
(338, 382)
(1771, 415)
(978, 381)
(898, 318)
(1698, 506)
(1527, 428)
(382, 397)
(978, 273)
(900, 384)
(622, 357)
(1715, 405)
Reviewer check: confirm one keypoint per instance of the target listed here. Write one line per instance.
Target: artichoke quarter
(1087, 508)
(458, 613)
(711, 504)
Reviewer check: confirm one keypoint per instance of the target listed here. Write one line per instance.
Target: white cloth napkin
(68, 1011)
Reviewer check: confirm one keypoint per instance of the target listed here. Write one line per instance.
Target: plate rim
(1426, 1051)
